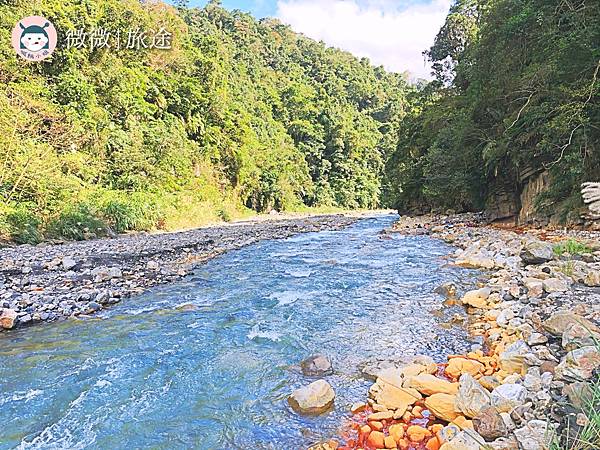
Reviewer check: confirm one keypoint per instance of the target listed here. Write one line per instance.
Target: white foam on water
(23, 395)
(299, 273)
(285, 297)
(256, 332)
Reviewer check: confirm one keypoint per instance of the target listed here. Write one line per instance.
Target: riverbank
(529, 383)
(46, 283)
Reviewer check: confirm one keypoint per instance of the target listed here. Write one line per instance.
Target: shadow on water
(208, 362)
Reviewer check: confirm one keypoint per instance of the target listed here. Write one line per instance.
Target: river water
(147, 374)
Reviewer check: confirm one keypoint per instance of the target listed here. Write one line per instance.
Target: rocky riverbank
(46, 283)
(524, 386)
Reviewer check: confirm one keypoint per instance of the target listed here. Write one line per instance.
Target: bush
(23, 226)
(78, 223)
(571, 247)
(135, 212)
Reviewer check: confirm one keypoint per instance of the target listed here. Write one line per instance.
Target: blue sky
(392, 33)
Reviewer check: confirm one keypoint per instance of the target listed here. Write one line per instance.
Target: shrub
(135, 212)
(571, 247)
(23, 226)
(78, 222)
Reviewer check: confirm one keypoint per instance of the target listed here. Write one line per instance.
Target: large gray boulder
(537, 252)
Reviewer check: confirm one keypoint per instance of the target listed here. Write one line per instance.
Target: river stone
(388, 391)
(578, 335)
(579, 393)
(316, 398)
(555, 285)
(428, 384)
(508, 396)
(316, 366)
(512, 359)
(471, 397)
(448, 290)
(579, 364)
(477, 298)
(535, 287)
(465, 440)
(490, 424)
(535, 435)
(592, 278)
(442, 406)
(7, 318)
(68, 263)
(558, 323)
(537, 252)
(458, 366)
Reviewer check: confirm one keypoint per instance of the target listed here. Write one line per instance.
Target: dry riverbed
(525, 386)
(45, 283)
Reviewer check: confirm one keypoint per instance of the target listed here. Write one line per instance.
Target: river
(209, 362)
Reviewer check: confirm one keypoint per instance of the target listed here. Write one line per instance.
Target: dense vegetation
(516, 95)
(238, 115)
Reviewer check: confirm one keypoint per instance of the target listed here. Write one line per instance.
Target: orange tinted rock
(416, 433)
(433, 444)
(397, 432)
(390, 442)
(365, 430)
(385, 415)
(376, 439)
(442, 406)
(435, 428)
(417, 412)
(428, 384)
(463, 423)
(403, 444)
(457, 366)
(377, 426)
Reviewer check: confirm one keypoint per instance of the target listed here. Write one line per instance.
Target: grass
(572, 247)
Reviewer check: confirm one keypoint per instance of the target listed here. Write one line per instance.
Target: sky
(392, 33)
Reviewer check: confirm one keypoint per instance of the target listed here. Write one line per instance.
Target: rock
(592, 278)
(417, 433)
(504, 316)
(68, 263)
(512, 359)
(489, 382)
(442, 406)
(471, 397)
(490, 424)
(536, 339)
(316, 366)
(379, 416)
(558, 323)
(152, 265)
(504, 443)
(535, 435)
(358, 407)
(315, 398)
(537, 252)
(579, 393)
(465, 440)
(535, 287)
(396, 431)
(376, 439)
(106, 273)
(448, 290)
(388, 390)
(579, 364)
(7, 318)
(578, 335)
(428, 384)
(555, 285)
(477, 298)
(457, 366)
(508, 396)
(390, 442)
(94, 307)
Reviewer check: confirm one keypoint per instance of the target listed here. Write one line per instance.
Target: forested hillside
(512, 122)
(238, 115)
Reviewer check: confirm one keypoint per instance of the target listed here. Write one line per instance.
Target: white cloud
(387, 33)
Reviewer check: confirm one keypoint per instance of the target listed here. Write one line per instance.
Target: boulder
(555, 285)
(448, 290)
(558, 323)
(8, 318)
(471, 397)
(68, 263)
(535, 287)
(592, 278)
(537, 252)
(508, 396)
(465, 440)
(376, 439)
(457, 366)
(388, 391)
(535, 435)
(428, 384)
(417, 433)
(577, 336)
(477, 298)
(578, 364)
(490, 424)
(316, 398)
(512, 359)
(442, 406)
(316, 366)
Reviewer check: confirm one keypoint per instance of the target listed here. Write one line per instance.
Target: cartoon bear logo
(34, 38)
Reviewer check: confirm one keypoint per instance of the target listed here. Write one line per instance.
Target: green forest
(244, 115)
